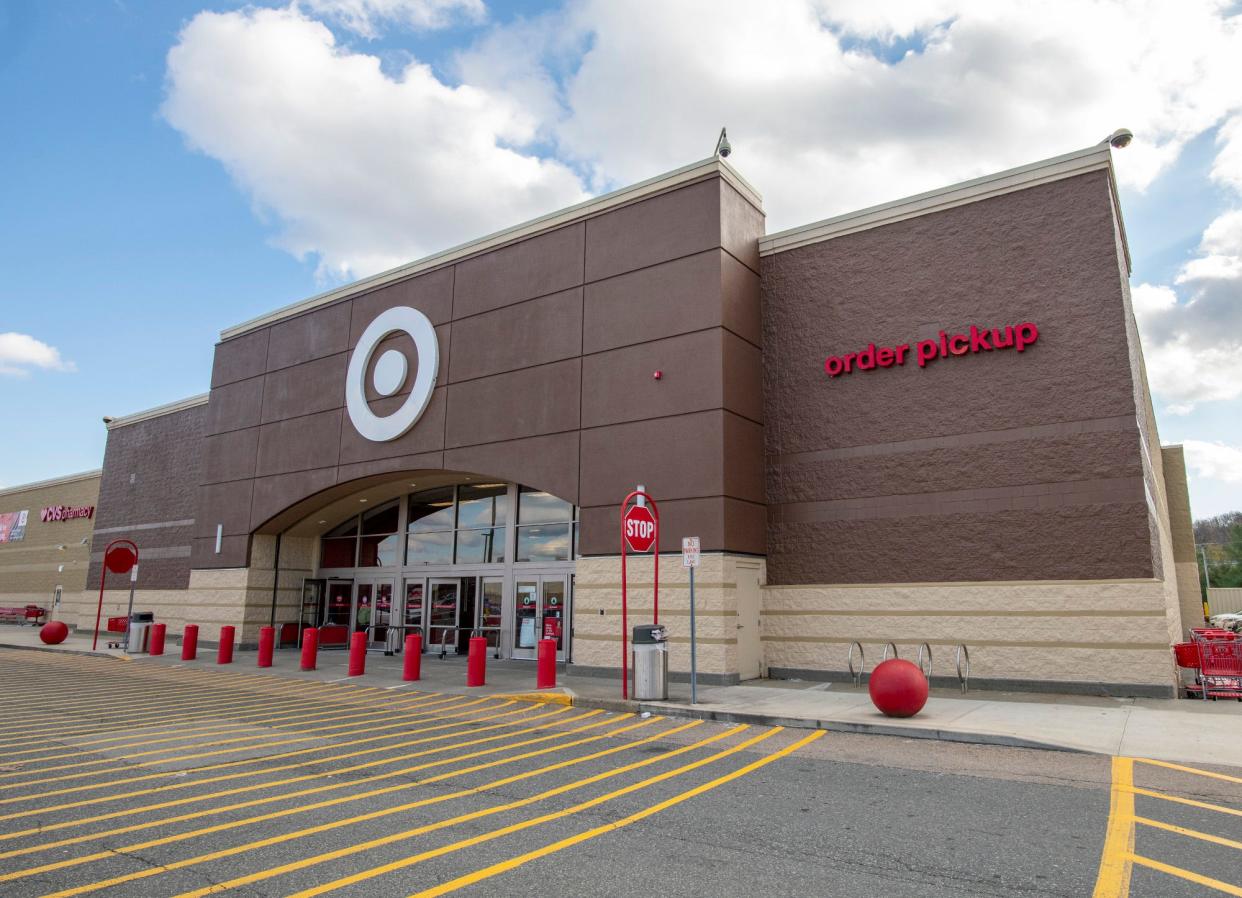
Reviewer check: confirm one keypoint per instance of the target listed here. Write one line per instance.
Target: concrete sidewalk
(1187, 731)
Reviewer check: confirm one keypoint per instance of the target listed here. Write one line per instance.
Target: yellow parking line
(1188, 875)
(456, 759)
(1192, 833)
(263, 760)
(515, 862)
(524, 824)
(395, 837)
(1113, 880)
(1190, 802)
(1195, 770)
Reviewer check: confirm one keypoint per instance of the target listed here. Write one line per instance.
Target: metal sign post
(119, 556)
(129, 614)
(640, 532)
(690, 559)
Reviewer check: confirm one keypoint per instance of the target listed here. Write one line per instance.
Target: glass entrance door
(373, 611)
(413, 612)
(444, 611)
(540, 611)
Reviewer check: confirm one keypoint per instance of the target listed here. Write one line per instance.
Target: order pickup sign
(638, 527)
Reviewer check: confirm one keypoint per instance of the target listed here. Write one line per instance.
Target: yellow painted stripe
(1113, 879)
(526, 824)
(235, 824)
(1192, 833)
(515, 862)
(1188, 875)
(547, 698)
(1189, 802)
(1194, 770)
(463, 818)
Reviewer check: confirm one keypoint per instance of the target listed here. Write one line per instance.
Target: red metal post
(189, 643)
(476, 661)
(655, 605)
(103, 572)
(545, 670)
(157, 639)
(224, 655)
(357, 655)
(310, 648)
(267, 642)
(412, 664)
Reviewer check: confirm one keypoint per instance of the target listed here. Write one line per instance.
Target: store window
(380, 544)
(546, 527)
(482, 511)
(340, 547)
(429, 532)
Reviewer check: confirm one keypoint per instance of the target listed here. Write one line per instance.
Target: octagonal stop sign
(638, 527)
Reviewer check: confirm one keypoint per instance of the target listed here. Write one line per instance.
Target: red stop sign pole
(640, 532)
(120, 556)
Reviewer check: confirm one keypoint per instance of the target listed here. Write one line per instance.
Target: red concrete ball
(54, 632)
(898, 688)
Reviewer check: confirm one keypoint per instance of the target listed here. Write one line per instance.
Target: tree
(1223, 550)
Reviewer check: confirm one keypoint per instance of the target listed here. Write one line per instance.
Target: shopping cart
(118, 625)
(1216, 657)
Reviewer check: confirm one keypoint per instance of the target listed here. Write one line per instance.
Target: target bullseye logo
(391, 371)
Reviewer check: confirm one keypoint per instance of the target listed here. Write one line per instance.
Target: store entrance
(540, 611)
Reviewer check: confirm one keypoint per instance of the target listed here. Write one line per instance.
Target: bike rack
(858, 674)
(963, 653)
(927, 673)
(893, 646)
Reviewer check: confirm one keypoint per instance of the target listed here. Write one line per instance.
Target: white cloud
(19, 353)
(1214, 461)
(367, 17)
(364, 170)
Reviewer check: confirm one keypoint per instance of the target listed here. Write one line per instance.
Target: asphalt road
(125, 778)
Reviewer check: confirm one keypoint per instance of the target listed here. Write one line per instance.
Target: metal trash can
(649, 663)
(139, 631)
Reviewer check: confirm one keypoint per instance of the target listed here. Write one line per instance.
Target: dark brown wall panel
(236, 405)
(620, 385)
(308, 337)
(548, 329)
(655, 230)
(305, 389)
(299, 444)
(240, 358)
(896, 452)
(514, 405)
(541, 265)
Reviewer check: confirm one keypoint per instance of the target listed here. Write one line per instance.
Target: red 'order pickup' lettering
(975, 340)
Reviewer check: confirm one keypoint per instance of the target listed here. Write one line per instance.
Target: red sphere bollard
(54, 632)
(225, 653)
(898, 688)
(545, 666)
(158, 631)
(310, 648)
(476, 662)
(267, 642)
(189, 643)
(358, 654)
(412, 668)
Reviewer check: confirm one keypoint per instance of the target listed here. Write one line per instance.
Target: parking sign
(689, 551)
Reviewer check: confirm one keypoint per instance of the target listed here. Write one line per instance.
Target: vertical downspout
(275, 578)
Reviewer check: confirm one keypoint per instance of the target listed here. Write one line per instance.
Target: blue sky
(150, 200)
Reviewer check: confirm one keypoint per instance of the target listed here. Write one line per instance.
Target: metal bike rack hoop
(927, 673)
(857, 675)
(893, 646)
(963, 676)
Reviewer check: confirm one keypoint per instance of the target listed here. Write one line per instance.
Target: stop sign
(638, 527)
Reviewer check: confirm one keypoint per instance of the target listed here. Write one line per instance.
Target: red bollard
(545, 667)
(413, 663)
(189, 642)
(157, 639)
(476, 661)
(225, 653)
(310, 648)
(358, 654)
(267, 642)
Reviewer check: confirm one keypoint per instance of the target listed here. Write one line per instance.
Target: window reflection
(430, 548)
(543, 542)
(481, 546)
(538, 507)
(431, 510)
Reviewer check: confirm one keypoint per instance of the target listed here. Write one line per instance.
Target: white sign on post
(690, 551)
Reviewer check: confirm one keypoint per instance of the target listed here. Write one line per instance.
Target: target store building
(926, 422)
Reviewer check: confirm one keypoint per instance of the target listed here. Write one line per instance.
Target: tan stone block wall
(30, 567)
(1189, 596)
(597, 637)
(1092, 631)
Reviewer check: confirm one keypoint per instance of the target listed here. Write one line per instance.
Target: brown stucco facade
(1015, 503)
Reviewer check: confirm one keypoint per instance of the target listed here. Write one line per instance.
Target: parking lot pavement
(121, 778)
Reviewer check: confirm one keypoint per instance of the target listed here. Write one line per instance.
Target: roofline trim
(1093, 158)
(158, 411)
(659, 184)
(53, 481)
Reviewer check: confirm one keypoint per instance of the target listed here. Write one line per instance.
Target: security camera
(1120, 139)
(107, 419)
(722, 145)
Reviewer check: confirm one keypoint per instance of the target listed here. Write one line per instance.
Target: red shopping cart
(119, 625)
(1216, 657)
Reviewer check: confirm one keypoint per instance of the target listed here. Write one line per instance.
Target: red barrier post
(310, 648)
(412, 668)
(545, 667)
(225, 653)
(476, 661)
(189, 642)
(157, 639)
(358, 654)
(267, 642)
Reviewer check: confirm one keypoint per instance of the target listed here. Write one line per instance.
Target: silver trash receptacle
(649, 663)
(139, 631)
